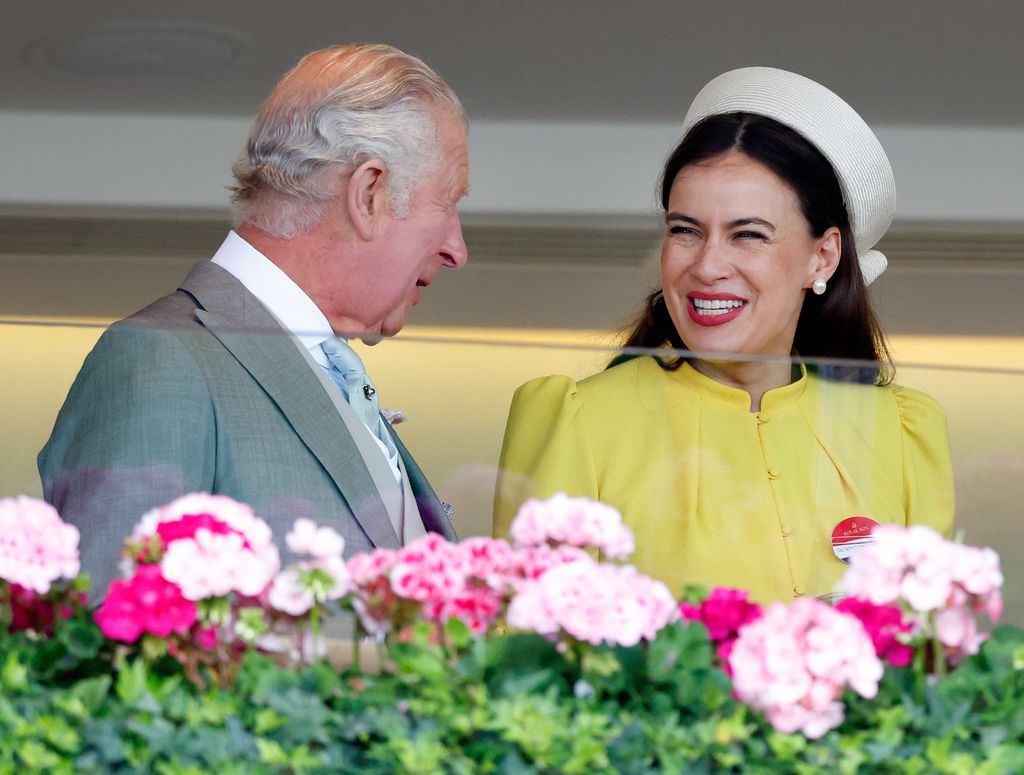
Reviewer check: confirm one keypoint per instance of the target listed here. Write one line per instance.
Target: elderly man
(242, 382)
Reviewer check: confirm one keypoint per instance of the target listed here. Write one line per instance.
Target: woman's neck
(755, 377)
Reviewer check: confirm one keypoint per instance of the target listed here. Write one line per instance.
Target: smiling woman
(734, 463)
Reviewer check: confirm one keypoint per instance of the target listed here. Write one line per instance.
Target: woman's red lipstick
(714, 309)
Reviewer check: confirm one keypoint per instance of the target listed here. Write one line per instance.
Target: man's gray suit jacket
(203, 391)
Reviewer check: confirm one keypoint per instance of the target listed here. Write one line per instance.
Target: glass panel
(455, 388)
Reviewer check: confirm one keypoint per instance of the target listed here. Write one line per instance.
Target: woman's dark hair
(839, 324)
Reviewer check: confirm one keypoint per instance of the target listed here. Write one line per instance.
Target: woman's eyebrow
(749, 221)
(674, 216)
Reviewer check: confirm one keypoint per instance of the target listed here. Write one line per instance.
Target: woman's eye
(684, 230)
(750, 235)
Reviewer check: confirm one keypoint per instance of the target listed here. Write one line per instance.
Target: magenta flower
(187, 525)
(723, 613)
(206, 638)
(883, 624)
(146, 603)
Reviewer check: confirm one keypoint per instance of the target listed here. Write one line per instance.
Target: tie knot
(343, 357)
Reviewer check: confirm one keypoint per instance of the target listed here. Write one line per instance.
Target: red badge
(850, 535)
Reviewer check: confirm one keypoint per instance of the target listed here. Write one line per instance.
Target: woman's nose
(712, 263)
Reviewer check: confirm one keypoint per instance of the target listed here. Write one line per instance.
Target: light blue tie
(349, 374)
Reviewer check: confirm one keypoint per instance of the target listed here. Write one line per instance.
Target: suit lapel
(435, 518)
(256, 340)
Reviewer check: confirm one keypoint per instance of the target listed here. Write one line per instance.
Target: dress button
(787, 530)
(798, 590)
(762, 418)
(772, 474)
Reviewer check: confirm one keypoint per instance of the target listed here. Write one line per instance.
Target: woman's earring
(819, 286)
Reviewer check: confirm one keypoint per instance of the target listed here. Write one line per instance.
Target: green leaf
(457, 633)
(92, 691)
(14, 675)
(271, 752)
(82, 638)
(131, 681)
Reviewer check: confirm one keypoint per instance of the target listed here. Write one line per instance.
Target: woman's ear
(366, 197)
(826, 257)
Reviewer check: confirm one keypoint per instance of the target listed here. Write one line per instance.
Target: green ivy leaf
(14, 675)
(92, 692)
(82, 638)
(131, 681)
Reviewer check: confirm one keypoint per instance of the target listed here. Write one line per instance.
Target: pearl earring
(819, 286)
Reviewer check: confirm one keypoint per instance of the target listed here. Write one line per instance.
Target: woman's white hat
(832, 126)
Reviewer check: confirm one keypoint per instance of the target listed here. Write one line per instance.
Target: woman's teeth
(716, 306)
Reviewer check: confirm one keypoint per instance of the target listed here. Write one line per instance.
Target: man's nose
(454, 251)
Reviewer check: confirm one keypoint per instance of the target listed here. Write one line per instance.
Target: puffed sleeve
(546, 448)
(927, 466)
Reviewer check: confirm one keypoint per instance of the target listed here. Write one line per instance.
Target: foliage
(504, 704)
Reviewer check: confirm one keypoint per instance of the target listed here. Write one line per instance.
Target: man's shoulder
(180, 305)
(166, 323)
(174, 309)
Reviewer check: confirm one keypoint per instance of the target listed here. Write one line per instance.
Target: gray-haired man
(241, 383)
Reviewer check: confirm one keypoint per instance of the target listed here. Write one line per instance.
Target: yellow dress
(717, 494)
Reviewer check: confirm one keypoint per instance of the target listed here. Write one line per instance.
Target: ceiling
(943, 62)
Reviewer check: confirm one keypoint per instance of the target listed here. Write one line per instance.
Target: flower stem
(939, 656)
(314, 634)
(358, 633)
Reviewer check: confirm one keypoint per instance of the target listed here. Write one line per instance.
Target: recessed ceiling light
(142, 48)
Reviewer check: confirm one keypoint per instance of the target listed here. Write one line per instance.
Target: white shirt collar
(287, 302)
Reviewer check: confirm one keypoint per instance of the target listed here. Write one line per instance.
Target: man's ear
(366, 197)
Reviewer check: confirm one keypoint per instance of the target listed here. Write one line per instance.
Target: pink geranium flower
(941, 584)
(794, 662)
(146, 603)
(322, 577)
(36, 546)
(288, 594)
(428, 570)
(595, 603)
(531, 562)
(212, 546)
(476, 604)
(577, 522)
(306, 537)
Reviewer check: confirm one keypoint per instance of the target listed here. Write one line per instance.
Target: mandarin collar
(774, 399)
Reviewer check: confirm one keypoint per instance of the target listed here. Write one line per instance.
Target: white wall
(517, 168)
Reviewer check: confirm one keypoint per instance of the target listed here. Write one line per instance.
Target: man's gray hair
(334, 110)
